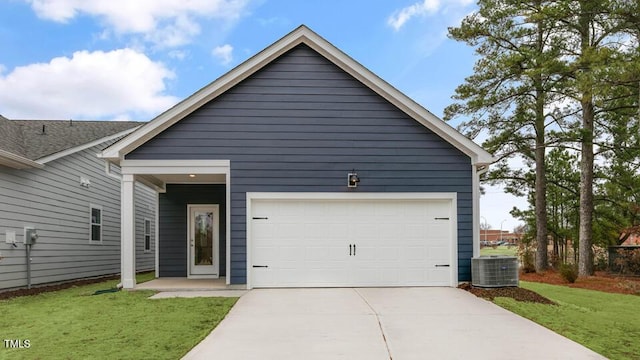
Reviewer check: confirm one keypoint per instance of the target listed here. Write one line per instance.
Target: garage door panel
(307, 242)
(316, 253)
(438, 228)
(388, 254)
(290, 209)
(390, 231)
(288, 230)
(337, 230)
(413, 253)
(316, 230)
(342, 213)
(365, 230)
(439, 277)
(437, 253)
(414, 275)
(387, 212)
(264, 254)
(418, 231)
(291, 253)
(390, 276)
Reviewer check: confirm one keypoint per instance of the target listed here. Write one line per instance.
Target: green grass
(499, 250)
(74, 324)
(606, 323)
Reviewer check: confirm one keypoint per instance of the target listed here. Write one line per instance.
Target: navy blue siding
(173, 225)
(300, 124)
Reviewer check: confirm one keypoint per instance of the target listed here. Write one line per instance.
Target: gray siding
(300, 124)
(145, 200)
(173, 225)
(52, 200)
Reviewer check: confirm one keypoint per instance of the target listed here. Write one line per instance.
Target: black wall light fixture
(352, 179)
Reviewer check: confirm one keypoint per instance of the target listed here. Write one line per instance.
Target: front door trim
(215, 273)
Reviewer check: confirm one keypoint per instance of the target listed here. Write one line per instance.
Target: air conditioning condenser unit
(494, 271)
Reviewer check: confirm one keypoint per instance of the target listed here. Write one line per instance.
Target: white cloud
(178, 54)
(99, 85)
(178, 33)
(424, 8)
(275, 20)
(400, 17)
(164, 22)
(224, 53)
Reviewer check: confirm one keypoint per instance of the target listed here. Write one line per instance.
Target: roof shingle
(34, 139)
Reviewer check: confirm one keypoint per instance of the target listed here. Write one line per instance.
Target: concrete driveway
(379, 323)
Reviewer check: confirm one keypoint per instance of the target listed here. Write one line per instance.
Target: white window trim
(145, 234)
(91, 223)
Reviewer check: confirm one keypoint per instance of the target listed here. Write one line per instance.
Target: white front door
(202, 240)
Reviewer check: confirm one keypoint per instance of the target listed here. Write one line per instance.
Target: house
(490, 236)
(51, 180)
(301, 168)
(630, 235)
(633, 239)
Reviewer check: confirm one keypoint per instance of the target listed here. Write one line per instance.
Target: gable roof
(301, 35)
(31, 143)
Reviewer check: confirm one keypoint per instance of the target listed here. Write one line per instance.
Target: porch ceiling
(159, 181)
(186, 178)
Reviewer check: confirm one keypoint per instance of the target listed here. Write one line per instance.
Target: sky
(133, 59)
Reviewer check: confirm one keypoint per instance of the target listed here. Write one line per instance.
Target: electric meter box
(30, 236)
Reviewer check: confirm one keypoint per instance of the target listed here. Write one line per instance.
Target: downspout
(107, 170)
(28, 248)
(478, 170)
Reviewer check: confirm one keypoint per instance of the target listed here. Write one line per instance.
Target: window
(147, 235)
(95, 223)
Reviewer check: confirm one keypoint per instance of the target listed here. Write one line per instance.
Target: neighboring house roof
(633, 239)
(633, 235)
(31, 143)
(301, 35)
(10, 135)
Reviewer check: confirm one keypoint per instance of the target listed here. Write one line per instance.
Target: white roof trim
(67, 152)
(16, 161)
(302, 34)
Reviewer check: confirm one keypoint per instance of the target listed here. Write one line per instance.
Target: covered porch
(183, 284)
(192, 241)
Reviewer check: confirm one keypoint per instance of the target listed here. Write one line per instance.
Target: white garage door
(354, 242)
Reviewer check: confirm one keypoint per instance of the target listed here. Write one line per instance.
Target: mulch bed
(53, 287)
(515, 293)
(601, 281)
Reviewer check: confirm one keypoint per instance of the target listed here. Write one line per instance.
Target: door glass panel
(203, 238)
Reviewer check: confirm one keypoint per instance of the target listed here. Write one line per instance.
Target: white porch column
(128, 232)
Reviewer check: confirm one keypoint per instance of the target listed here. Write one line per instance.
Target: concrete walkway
(379, 323)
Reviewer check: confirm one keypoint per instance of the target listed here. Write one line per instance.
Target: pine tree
(509, 96)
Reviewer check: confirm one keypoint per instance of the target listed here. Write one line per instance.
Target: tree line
(555, 95)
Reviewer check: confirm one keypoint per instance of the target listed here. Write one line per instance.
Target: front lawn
(74, 324)
(608, 324)
(499, 250)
